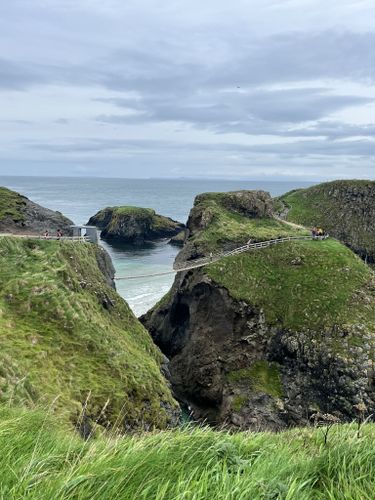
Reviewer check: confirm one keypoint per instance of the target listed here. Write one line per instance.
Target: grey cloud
(246, 62)
(255, 112)
(360, 147)
(303, 56)
(17, 76)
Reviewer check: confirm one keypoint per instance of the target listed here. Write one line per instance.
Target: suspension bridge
(187, 265)
(215, 257)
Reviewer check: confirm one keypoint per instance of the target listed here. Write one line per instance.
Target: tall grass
(40, 461)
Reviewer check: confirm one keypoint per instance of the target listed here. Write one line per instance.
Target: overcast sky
(187, 88)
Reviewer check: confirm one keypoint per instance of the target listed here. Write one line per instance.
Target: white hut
(89, 232)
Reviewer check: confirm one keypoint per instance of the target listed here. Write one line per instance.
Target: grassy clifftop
(39, 462)
(345, 208)
(66, 336)
(302, 284)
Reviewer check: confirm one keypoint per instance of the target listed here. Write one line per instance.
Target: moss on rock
(261, 376)
(134, 225)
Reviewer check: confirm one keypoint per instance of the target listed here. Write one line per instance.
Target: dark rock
(134, 225)
(232, 368)
(179, 239)
(26, 217)
(105, 264)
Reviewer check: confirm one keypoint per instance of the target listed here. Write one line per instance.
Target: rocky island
(269, 338)
(135, 225)
(18, 215)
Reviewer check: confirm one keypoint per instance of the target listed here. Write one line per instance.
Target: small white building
(89, 232)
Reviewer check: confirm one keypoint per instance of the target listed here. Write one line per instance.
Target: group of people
(47, 235)
(318, 233)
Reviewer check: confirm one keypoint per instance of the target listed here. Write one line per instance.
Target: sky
(268, 89)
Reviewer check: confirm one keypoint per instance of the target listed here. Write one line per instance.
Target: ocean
(80, 198)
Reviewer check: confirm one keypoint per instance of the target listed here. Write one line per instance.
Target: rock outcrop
(134, 225)
(266, 339)
(346, 209)
(222, 221)
(19, 215)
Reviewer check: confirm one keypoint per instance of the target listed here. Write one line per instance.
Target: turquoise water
(80, 198)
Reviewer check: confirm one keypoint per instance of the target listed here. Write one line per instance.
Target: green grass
(66, 336)
(11, 205)
(306, 284)
(40, 461)
(261, 376)
(316, 205)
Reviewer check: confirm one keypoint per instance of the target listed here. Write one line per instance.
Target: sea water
(80, 198)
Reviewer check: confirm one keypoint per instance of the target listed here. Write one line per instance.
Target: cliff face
(68, 340)
(20, 215)
(266, 339)
(134, 225)
(346, 209)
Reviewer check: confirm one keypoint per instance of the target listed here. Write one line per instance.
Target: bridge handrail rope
(205, 261)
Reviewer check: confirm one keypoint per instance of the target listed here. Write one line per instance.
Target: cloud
(252, 112)
(16, 76)
(321, 147)
(268, 80)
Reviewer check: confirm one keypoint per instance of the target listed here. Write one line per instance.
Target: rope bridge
(215, 257)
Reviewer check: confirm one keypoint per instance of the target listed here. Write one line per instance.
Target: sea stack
(134, 225)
